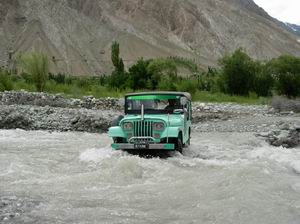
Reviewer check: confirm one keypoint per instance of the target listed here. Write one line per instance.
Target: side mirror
(178, 111)
(183, 101)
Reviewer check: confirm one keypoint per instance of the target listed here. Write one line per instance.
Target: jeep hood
(174, 119)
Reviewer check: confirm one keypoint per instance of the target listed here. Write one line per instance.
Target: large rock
(287, 136)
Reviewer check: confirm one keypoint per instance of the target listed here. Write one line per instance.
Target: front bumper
(152, 146)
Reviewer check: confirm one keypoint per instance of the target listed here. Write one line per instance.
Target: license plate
(141, 146)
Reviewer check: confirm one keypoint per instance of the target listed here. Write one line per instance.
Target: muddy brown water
(76, 178)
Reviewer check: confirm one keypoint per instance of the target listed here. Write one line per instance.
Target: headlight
(158, 126)
(127, 126)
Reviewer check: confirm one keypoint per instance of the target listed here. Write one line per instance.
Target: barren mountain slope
(76, 34)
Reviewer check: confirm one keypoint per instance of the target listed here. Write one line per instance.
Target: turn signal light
(156, 135)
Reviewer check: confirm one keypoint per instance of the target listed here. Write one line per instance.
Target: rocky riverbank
(57, 100)
(286, 135)
(41, 111)
(55, 119)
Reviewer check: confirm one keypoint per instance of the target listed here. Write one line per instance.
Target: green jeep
(153, 121)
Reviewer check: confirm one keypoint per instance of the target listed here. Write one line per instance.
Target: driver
(172, 104)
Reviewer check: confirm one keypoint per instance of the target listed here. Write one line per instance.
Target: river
(76, 178)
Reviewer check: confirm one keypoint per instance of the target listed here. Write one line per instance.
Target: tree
(115, 57)
(286, 70)
(238, 73)
(37, 65)
(264, 81)
(118, 78)
(162, 70)
(139, 77)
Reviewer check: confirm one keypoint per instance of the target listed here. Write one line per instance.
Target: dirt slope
(76, 34)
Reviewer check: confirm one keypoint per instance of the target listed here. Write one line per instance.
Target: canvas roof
(186, 94)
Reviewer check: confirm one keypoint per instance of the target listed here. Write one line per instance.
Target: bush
(286, 70)
(36, 64)
(5, 81)
(167, 83)
(139, 77)
(59, 78)
(264, 81)
(238, 73)
(27, 78)
(187, 85)
(289, 84)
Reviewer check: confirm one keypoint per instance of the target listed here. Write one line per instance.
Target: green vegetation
(5, 81)
(118, 76)
(238, 73)
(219, 97)
(286, 71)
(36, 64)
(239, 78)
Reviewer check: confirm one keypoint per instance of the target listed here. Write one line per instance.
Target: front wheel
(179, 145)
(118, 140)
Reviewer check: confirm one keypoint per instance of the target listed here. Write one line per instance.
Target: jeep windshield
(153, 104)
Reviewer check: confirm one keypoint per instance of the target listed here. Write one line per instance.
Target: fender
(171, 132)
(116, 132)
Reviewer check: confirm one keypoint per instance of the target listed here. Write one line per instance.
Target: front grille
(143, 128)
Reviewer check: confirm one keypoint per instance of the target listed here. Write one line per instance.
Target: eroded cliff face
(76, 34)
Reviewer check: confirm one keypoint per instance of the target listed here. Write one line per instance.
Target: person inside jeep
(172, 105)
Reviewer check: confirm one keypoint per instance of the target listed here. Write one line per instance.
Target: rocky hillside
(294, 28)
(76, 34)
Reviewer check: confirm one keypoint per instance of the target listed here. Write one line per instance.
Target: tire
(188, 143)
(118, 140)
(179, 145)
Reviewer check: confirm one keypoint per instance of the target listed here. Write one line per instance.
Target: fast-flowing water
(76, 178)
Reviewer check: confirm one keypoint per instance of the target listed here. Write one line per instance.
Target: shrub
(166, 83)
(27, 78)
(139, 77)
(264, 81)
(36, 64)
(187, 85)
(238, 73)
(59, 78)
(286, 70)
(289, 84)
(5, 81)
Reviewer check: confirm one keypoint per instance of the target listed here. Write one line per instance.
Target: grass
(204, 96)
(71, 90)
(80, 87)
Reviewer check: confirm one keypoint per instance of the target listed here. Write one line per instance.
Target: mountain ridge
(76, 34)
(294, 28)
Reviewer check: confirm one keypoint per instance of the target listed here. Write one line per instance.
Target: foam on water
(221, 178)
(98, 154)
(289, 158)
